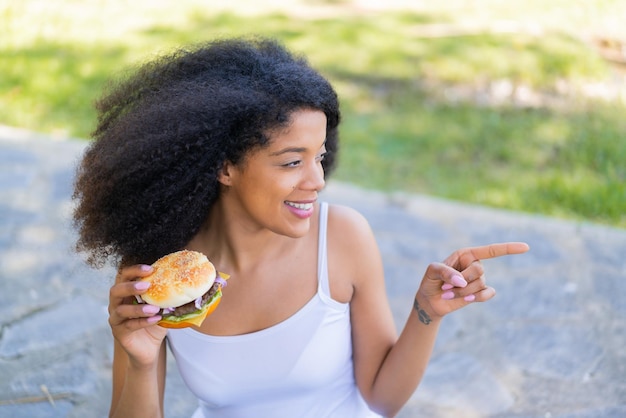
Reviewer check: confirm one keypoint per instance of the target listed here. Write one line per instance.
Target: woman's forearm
(140, 395)
(137, 389)
(406, 362)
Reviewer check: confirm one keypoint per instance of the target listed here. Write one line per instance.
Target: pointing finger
(464, 257)
(498, 250)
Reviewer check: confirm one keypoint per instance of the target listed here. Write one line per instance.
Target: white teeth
(302, 206)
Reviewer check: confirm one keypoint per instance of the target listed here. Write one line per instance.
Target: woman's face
(276, 186)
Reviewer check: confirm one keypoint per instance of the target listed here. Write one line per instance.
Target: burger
(186, 286)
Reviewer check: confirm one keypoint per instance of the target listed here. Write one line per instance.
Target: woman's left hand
(460, 280)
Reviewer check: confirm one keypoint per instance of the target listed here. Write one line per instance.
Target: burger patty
(191, 306)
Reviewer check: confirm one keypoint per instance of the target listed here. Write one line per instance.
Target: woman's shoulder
(348, 229)
(352, 250)
(342, 217)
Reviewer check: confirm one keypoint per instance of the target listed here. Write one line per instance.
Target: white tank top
(301, 367)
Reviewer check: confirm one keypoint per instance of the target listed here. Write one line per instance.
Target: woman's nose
(315, 177)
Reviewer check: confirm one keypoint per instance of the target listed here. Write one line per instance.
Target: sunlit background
(516, 104)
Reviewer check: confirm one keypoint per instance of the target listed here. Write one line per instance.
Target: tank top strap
(322, 253)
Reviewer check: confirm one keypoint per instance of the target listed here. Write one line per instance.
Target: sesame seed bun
(179, 278)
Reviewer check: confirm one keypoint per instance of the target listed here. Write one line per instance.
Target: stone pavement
(551, 344)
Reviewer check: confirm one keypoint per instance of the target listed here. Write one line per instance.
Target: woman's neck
(233, 246)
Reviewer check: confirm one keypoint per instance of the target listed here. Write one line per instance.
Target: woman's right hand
(134, 325)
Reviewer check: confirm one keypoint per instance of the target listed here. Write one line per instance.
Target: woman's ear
(225, 175)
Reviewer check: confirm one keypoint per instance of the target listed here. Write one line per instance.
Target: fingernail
(447, 286)
(145, 267)
(469, 298)
(447, 295)
(150, 309)
(154, 319)
(142, 285)
(458, 281)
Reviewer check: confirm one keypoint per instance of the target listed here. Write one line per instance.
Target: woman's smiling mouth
(301, 210)
(302, 206)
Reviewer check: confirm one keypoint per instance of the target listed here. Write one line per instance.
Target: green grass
(568, 164)
(405, 126)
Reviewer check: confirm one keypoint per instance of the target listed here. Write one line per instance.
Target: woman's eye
(292, 164)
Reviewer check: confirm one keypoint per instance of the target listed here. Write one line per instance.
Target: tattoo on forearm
(422, 315)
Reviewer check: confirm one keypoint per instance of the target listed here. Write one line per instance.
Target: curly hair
(149, 178)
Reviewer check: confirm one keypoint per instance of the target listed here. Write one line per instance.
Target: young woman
(223, 149)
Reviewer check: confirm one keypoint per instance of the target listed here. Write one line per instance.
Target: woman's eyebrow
(291, 149)
(288, 150)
